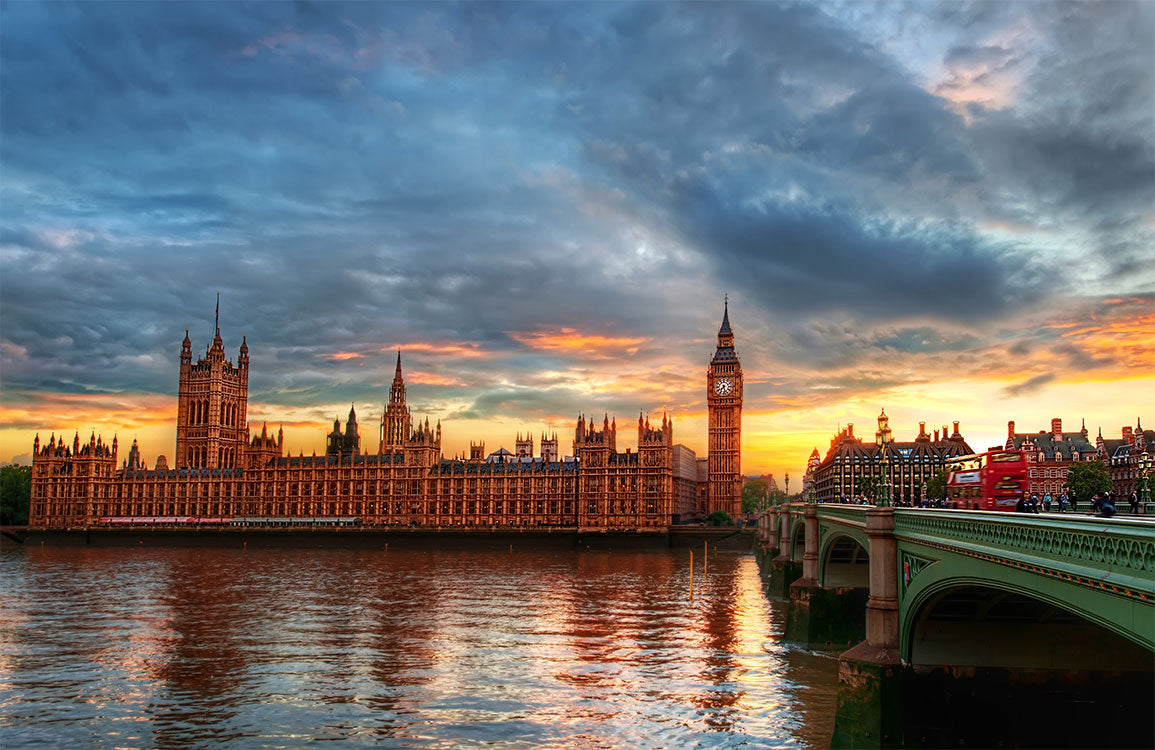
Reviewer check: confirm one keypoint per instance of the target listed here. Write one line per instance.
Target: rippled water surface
(182, 647)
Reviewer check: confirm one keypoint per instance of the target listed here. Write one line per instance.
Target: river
(154, 646)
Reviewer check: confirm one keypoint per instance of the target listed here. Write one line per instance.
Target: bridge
(956, 603)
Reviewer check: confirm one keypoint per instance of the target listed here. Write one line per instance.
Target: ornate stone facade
(221, 474)
(212, 406)
(724, 405)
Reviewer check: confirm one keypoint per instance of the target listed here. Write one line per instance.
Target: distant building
(687, 486)
(347, 443)
(703, 487)
(1050, 454)
(908, 465)
(812, 465)
(1128, 457)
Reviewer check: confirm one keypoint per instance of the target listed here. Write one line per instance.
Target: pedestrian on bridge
(1133, 501)
(1047, 502)
(1063, 502)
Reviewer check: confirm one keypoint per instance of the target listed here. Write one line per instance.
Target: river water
(143, 647)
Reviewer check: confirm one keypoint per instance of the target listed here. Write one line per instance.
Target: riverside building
(222, 473)
(904, 466)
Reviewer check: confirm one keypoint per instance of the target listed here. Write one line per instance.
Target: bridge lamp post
(884, 491)
(1145, 478)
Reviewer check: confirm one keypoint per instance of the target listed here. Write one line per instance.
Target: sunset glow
(940, 210)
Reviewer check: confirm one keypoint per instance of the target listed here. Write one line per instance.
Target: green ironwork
(852, 515)
(1102, 570)
(884, 500)
(1121, 551)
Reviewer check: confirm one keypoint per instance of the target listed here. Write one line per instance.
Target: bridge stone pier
(973, 628)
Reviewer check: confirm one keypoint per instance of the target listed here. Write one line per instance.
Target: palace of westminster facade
(221, 471)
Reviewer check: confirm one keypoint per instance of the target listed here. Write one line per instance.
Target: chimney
(850, 429)
(1057, 428)
(1011, 429)
(1128, 435)
(936, 436)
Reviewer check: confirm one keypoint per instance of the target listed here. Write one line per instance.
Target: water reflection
(156, 647)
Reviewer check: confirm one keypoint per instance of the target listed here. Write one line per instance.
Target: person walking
(1063, 502)
(1133, 501)
(1047, 502)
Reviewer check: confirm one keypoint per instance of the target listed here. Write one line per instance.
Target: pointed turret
(725, 351)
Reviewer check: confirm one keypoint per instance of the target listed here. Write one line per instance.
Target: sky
(943, 210)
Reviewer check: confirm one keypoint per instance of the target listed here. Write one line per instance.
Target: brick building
(1128, 457)
(1050, 454)
(906, 466)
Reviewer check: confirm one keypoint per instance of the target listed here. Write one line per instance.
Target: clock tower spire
(724, 404)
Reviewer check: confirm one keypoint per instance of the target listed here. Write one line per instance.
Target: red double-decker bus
(994, 480)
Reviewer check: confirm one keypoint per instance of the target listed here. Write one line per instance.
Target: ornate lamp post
(1145, 478)
(883, 499)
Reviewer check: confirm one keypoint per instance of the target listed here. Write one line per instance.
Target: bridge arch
(844, 561)
(797, 539)
(1015, 622)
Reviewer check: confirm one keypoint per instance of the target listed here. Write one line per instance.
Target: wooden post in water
(691, 575)
(705, 559)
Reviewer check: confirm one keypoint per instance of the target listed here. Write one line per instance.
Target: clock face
(723, 386)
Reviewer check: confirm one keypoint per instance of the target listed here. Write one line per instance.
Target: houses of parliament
(221, 472)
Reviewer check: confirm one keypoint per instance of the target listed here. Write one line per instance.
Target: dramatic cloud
(541, 205)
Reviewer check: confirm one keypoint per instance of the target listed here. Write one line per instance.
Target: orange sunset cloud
(570, 339)
(452, 349)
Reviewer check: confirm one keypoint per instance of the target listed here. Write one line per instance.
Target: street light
(1145, 478)
(883, 499)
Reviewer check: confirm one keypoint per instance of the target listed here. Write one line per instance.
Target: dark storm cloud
(352, 177)
(1028, 386)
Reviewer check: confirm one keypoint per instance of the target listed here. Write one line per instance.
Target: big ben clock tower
(724, 402)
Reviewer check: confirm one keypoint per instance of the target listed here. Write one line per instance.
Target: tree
(754, 495)
(1085, 478)
(719, 518)
(15, 494)
(936, 486)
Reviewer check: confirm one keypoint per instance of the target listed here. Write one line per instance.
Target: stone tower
(549, 448)
(347, 443)
(724, 404)
(523, 446)
(212, 428)
(396, 423)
